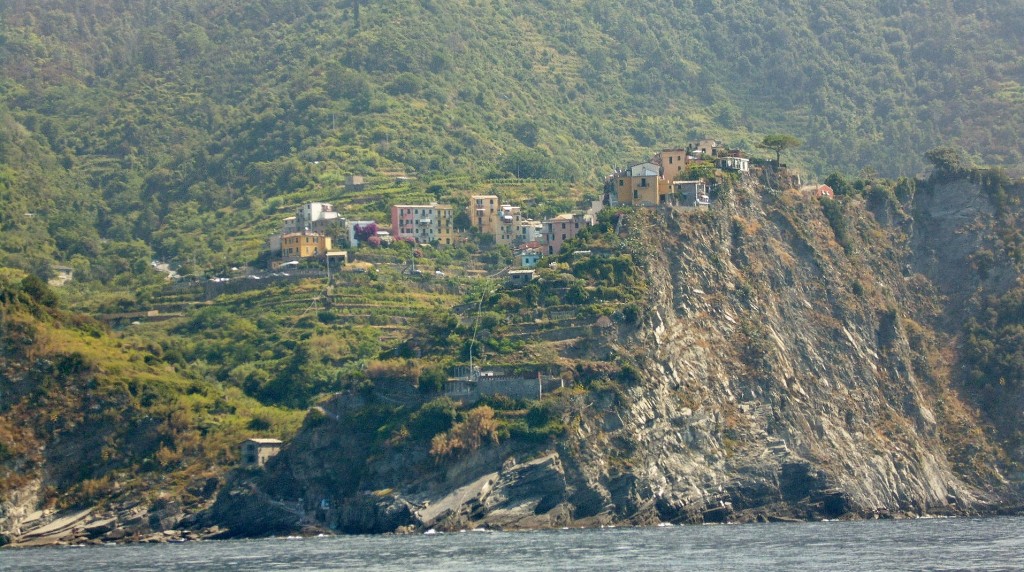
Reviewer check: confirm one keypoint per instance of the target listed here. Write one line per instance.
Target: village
(658, 183)
(319, 241)
(317, 228)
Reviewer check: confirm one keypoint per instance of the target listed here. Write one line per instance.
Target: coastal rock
(774, 375)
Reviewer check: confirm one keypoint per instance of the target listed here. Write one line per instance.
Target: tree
(838, 183)
(363, 232)
(948, 162)
(779, 142)
(432, 380)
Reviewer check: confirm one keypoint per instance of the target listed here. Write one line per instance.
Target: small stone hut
(256, 452)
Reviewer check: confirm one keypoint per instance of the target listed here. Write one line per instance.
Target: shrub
(833, 211)
(432, 379)
(39, 290)
(258, 424)
(467, 435)
(434, 417)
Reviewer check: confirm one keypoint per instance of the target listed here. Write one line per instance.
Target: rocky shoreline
(93, 527)
(84, 528)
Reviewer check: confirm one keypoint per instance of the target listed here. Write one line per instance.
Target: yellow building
(304, 244)
(641, 185)
(483, 213)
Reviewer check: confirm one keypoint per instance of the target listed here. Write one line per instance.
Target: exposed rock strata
(781, 377)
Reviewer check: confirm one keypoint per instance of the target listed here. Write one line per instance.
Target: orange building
(640, 185)
(672, 162)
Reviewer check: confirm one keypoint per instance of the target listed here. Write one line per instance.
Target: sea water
(922, 544)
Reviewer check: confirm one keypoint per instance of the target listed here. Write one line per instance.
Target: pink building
(562, 228)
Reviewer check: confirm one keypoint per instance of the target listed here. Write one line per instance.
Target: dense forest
(129, 131)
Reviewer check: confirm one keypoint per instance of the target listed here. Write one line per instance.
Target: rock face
(953, 222)
(779, 376)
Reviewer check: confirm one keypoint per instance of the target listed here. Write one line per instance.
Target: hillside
(148, 121)
(91, 421)
(787, 363)
(772, 357)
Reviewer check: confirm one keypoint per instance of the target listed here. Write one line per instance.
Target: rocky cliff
(790, 362)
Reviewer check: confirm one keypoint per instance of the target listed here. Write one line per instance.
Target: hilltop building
(672, 162)
(734, 162)
(304, 244)
(562, 228)
(706, 148)
(311, 213)
(308, 233)
(530, 231)
(639, 185)
(528, 255)
(691, 194)
(509, 218)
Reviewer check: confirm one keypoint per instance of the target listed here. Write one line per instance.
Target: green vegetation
(994, 359)
(182, 130)
(779, 143)
(119, 411)
(185, 131)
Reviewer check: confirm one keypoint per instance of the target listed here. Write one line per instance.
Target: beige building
(509, 219)
(426, 224)
(672, 162)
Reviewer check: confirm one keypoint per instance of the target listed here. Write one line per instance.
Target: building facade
(672, 162)
(483, 213)
(304, 244)
(640, 185)
(560, 229)
(740, 164)
(426, 224)
(256, 452)
(509, 218)
(691, 194)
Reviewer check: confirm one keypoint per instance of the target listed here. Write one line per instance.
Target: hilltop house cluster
(309, 233)
(529, 238)
(659, 180)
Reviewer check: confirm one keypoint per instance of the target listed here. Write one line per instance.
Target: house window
(622, 182)
(636, 194)
(670, 160)
(643, 182)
